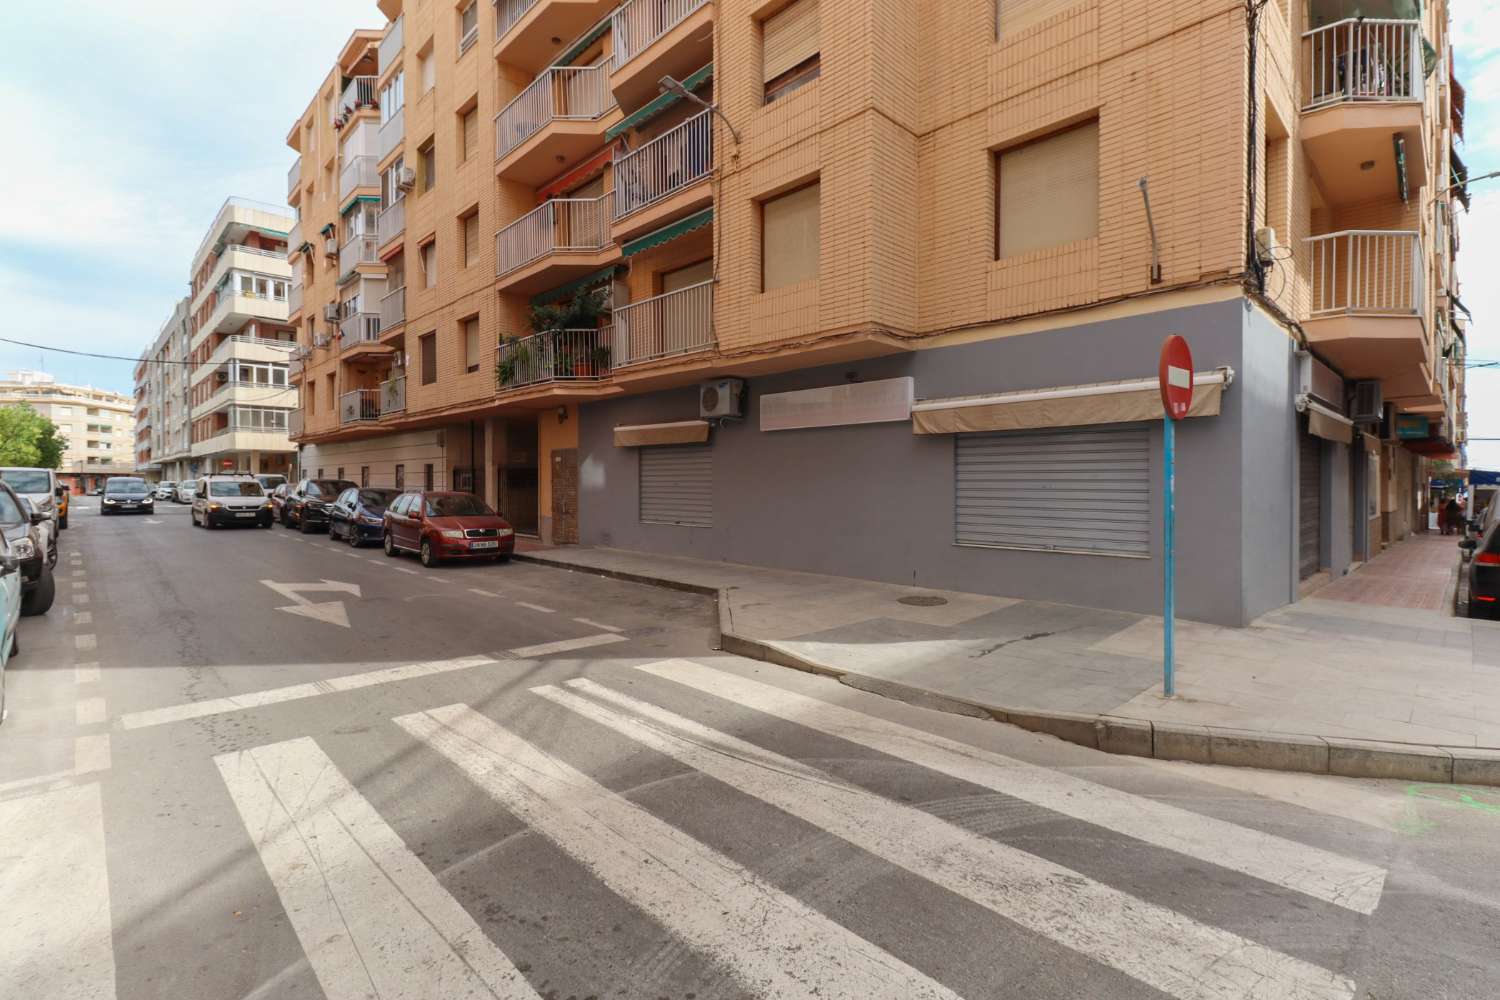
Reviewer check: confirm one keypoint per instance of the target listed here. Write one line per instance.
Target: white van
(39, 487)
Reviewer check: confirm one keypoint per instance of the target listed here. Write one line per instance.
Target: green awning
(359, 198)
(1459, 177)
(667, 233)
(663, 101)
(564, 291)
(578, 47)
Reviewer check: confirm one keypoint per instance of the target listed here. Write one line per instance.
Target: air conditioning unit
(407, 179)
(331, 247)
(320, 340)
(1368, 406)
(1265, 243)
(331, 313)
(722, 398)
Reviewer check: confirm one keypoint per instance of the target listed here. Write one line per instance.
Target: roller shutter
(1309, 505)
(790, 38)
(1084, 489)
(677, 485)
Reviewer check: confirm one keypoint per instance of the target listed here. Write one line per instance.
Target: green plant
(601, 357)
(580, 312)
(515, 355)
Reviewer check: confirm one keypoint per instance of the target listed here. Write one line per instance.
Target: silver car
(165, 490)
(183, 491)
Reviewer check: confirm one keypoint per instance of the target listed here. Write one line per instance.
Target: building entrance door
(1309, 505)
(519, 483)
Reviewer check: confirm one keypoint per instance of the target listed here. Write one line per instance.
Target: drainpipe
(1257, 273)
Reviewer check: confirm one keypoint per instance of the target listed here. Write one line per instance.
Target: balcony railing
(1362, 60)
(391, 222)
(1374, 272)
(390, 45)
(359, 405)
(635, 25)
(393, 395)
(562, 224)
(360, 328)
(359, 93)
(359, 250)
(665, 165)
(294, 368)
(358, 172)
(294, 299)
(294, 423)
(561, 93)
(295, 238)
(392, 133)
(294, 176)
(393, 308)
(508, 12)
(554, 356)
(678, 322)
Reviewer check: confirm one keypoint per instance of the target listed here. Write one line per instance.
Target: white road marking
(86, 673)
(482, 593)
(56, 891)
(89, 711)
(328, 612)
(151, 521)
(566, 645)
(404, 569)
(1310, 870)
(1147, 942)
(372, 918)
(80, 598)
(773, 944)
(77, 572)
(80, 584)
(91, 754)
(434, 578)
(535, 607)
(598, 625)
(83, 618)
(294, 692)
(86, 643)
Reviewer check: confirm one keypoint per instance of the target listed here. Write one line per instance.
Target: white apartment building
(99, 424)
(163, 433)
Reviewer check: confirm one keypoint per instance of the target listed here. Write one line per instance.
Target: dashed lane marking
(86, 642)
(535, 607)
(599, 625)
(86, 673)
(88, 711)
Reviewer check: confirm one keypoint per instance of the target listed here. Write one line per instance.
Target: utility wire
(275, 345)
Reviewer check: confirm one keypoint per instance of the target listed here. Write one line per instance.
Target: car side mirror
(1469, 544)
(37, 518)
(8, 564)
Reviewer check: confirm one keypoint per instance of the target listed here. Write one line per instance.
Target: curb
(1303, 753)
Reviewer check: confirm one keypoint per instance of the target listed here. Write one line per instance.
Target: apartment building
(162, 383)
(99, 425)
(877, 287)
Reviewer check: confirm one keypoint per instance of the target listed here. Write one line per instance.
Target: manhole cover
(922, 601)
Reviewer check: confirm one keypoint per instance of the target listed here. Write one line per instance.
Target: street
(253, 763)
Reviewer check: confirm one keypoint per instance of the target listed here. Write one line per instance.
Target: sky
(158, 110)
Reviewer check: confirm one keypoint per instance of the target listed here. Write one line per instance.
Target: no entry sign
(1175, 372)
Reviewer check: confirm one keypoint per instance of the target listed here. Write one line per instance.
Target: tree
(27, 438)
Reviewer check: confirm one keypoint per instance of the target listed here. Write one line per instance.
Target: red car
(446, 525)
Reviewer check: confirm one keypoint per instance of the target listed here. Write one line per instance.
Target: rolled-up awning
(1330, 425)
(680, 432)
(1064, 406)
(1371, 442)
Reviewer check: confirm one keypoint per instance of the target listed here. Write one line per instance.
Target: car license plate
(128, 506)
(249, 513)
(484, 545)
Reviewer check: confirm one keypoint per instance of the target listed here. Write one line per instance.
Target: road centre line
(482, 593)
(90, 756)
(83, 618)
(86, 643)
(86, 673)
(89, 711)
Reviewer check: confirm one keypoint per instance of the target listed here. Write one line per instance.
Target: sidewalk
(1343, 682)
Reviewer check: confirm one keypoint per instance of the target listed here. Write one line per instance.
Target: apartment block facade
(163, 423)
(876, 287)
(99, 425)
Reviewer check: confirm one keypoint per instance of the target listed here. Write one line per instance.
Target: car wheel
(428, 559)
(352, 536)
(302, 525)
(38, 600)
(390, 546)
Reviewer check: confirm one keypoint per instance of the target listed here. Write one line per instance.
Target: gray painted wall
(876, 501)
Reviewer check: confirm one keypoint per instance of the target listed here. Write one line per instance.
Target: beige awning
(1328, 424)
(681, 432)
(1371, 442)
(1065, 406)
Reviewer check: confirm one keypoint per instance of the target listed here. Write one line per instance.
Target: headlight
(452, 533)
(23, 548)
(215, 506)
(370, 519)
(108, 500)
(504, 532)
(266, 505)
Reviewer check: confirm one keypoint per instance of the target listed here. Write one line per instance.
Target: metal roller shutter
(677, 485)
(1083, 490)
(1310, 505)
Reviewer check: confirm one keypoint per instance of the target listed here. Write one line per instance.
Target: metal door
(1309, 505)
(676, 483)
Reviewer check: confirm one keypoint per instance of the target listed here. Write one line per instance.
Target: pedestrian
(1451, 516)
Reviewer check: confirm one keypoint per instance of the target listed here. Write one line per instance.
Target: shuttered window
(1078, 490)
(470, 132)
(677, 485)
(471, 239)
(1048, 192)
(1012, 16)
(470, 328)
(790, 48)
(428, 350)
(789, 238)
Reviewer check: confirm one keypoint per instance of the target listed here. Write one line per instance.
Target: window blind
(790, 37)
(1049, 192)
(789, 238)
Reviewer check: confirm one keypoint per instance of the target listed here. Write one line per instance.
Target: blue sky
(160, 109)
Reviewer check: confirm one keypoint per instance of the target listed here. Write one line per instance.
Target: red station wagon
(446, 525)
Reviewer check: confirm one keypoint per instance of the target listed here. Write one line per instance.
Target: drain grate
(922, 601)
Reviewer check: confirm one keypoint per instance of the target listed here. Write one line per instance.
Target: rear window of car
(188, 484)
(457, 505)
(28, 480)
(378, 498)
(235, 490)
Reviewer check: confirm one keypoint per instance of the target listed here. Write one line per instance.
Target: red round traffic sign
(1175, 372)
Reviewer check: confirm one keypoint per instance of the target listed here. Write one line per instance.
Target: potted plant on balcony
(513, 361)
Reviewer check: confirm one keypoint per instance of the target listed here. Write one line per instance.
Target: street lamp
(673, 86)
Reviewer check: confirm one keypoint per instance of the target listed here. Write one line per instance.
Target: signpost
(1174, 372)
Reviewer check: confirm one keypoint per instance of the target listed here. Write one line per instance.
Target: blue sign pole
(1169, 597)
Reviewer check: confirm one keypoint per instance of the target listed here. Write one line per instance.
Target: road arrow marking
(329, 612)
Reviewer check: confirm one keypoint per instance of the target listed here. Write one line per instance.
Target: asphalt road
(513, 781)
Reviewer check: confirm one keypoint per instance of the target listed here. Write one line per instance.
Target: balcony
(392, 309)
(664, 326)
(1362, 88)
(294, 424)
(559, 240)
(359, 250)
(362, 328)
(293, 301)
(392, 134)
(554, 356)
(294, 369)
(294, 239)
(358, 172)
(391, 46)
(391, 223)
(359, 406)
(659, 182)
(656, 38)
(294, 178)
(1368, 306)
(525, 29)
(359, 95)
(555, 121)
(393, 395)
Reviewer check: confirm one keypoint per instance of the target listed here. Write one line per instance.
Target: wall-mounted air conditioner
(331, 247)
(722, 398)
(1368, 406)
(407, 179)
(331, 313)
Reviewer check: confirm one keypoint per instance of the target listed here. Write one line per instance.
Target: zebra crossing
(374, 920)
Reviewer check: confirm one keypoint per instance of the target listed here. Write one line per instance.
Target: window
(427, 68)
(333, 402)
(400, 477)
(392, 96)
(468, 134)
(470, 329)
(470, 228)
(64, 411)
(427, 165)
(428, 257)
(676, 485)
(1048, 192)
(428, 344)
(312, 396)
(790, 47)
(427, 476)
(340, 476)
(686, 277)
(390, 182)
(364, 475)
(468, 26)
(789, 238)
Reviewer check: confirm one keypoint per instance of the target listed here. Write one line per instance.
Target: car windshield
(235, 490)
(188, 484)
(126, 487)
(378, 498)
(457, 505)
(28, 480)
(167, 482)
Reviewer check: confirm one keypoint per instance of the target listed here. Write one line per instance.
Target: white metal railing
(294, 299)
(390, 45)
(359, 250)
(562, 224)
(294, 176)
(638, 23)
(665, 165)
(253, 341)
(1363, 59)
(554, 356)
(508, 12)
(1372, 271)
(359, 405)
(560, 93)
(258, 251)
(678, 322)
(392, 133)
(359, 93)
(393, 308)
(393, 395)
(391, 221)
(358, 172)
(360, 328)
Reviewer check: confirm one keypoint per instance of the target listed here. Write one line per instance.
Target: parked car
(308, 503)
(1484, 565)
(223, 500)
(446, 525)
(358, 515)
(39, 487)
(184, 490)
(126, 495)
(269, 480)
(21, 527)
(278, 501)
(10, 612)
(165, 490)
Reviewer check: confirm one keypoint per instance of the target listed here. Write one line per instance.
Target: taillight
(1488, 558)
